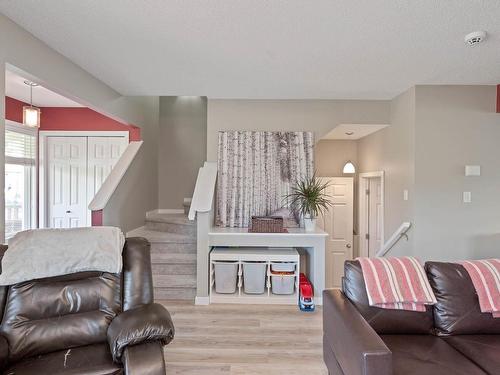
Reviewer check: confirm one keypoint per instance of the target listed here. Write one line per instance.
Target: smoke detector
(475, 37)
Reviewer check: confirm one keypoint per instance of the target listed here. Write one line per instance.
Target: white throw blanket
(40, 253)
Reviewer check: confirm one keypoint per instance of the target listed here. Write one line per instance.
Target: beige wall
(319, 116)
(330, 156)
(392, 150)
(182, 147)
(435, 131)
(456, 126)
(138, 191)
(22, 50)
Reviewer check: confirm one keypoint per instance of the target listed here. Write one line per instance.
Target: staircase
(173, 254)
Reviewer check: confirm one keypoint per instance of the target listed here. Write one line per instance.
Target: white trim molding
(84, 133)
(363, 209)
(202, 301)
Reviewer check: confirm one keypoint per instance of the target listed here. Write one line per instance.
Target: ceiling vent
(475, 38)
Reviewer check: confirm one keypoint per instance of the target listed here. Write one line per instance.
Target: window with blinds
(20, 147)
(20, 178)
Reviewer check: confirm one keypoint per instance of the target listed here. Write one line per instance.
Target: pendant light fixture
(31, 115)
(349, 168)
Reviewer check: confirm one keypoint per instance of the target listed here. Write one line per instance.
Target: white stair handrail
(393, 240)
(115, 176)
(204, 189)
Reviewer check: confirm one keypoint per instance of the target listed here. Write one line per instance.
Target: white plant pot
(309, 224)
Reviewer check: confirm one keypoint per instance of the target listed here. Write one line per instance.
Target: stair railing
(204, 190)
(202, 209)
(401, 232)
(111, 182)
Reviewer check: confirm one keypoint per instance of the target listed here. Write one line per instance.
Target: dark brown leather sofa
(90, 323)
(451, 338)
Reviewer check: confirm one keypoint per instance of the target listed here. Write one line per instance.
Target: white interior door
(66, 182)
(103, 153)
(338, 223)
(375, 212)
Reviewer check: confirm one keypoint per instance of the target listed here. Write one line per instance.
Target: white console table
(312, 242)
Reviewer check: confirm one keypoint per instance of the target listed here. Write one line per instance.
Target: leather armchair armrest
(4, 352)
(144, 359)
(358, 349)
(142, 324)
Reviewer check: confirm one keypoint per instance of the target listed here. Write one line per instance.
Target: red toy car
(306, 293)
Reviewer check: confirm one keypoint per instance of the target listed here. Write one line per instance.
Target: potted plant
(310, 199)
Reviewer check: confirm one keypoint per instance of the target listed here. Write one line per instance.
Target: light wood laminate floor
(244, 339)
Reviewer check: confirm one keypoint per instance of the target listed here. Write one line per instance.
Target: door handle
(68, 212)
(348, 245)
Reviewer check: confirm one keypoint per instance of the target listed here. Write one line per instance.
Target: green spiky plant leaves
(309, 197)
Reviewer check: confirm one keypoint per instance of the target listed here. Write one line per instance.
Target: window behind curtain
(20, 178)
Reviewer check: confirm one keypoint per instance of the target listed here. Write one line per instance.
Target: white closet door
(103, 153)
(66, 182)
(338, 223)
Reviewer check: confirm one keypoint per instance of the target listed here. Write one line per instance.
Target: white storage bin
(283, 284)
(254, 277)
(283, 266)
(226, 273)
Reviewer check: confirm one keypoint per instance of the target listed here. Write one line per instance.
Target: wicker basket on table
(266, 224)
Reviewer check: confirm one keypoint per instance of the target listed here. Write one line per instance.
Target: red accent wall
(14, 109)
(59, 118)
(76, 119)
(498, 98)
(56, 118)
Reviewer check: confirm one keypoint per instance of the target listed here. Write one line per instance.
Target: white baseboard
(203, 301)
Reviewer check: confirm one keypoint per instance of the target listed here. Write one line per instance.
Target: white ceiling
(270, 49)
(343, 131)
(42, 97)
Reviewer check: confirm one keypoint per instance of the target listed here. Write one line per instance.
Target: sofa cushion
(57, 313)
(457, 310)
(483, 350)
(427, 354)
(88, 360)
(383, 321)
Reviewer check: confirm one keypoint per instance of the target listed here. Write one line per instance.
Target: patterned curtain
(256, 170)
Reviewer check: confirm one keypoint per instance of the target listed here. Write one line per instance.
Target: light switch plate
(467, 197)
(405, 195)
(472, 170)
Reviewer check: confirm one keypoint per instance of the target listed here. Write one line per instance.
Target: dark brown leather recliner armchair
(86, 323)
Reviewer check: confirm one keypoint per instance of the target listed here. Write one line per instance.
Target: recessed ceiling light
(349, 133)
(475, 37)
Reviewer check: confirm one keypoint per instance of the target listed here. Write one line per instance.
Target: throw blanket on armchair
(485, 276)
(41, 253)
(396, 283)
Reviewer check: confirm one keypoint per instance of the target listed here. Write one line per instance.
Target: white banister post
(204, 223)
(202, 207)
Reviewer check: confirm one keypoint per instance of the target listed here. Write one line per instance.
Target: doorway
(371, 213)
(338, 222)
(73, 166)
